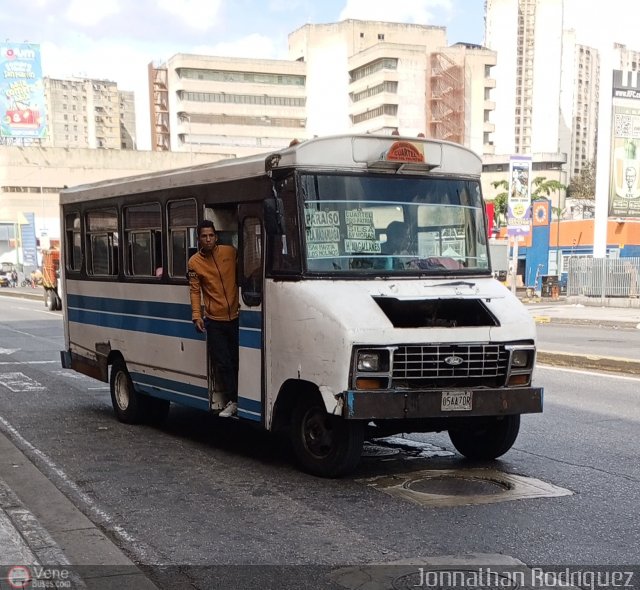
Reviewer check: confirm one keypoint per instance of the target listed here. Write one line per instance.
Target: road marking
(27, 362)
(583, 372)
(19, 382)
(8, 350)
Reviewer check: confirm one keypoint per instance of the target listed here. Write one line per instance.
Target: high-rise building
(87, 113)
(527, 36)
(399, 77)
(232, 106)
(351, 76)
(578, 103)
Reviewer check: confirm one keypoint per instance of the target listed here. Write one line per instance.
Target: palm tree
(543, 188)
(500, 202)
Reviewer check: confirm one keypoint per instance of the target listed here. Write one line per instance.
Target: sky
(117, 39)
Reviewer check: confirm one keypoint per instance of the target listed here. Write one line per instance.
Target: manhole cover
(456, 486)
(370, 450)
(463, 487)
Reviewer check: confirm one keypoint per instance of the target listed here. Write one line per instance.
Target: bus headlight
(369, 361)
(520, 359)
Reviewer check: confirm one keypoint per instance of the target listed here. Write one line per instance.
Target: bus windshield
(396, 225)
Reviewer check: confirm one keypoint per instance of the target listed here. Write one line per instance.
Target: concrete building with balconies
(89, 113)
(401, 77)
(225, 105)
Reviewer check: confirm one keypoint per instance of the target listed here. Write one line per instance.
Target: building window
(386, 63)
(380, 36)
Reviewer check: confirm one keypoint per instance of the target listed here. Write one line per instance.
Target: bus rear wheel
(324, 445)
(127, 402)
(488, 439)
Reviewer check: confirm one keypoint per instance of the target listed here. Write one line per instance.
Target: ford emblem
(454, 360)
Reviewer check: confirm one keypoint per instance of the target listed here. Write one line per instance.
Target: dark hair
(205, 223)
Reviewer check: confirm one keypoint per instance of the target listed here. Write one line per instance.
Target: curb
(546, 319)
(36, 295)
(55, 531)
(587, 361)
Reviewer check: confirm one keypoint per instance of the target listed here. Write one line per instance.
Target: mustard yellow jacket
(212, 282)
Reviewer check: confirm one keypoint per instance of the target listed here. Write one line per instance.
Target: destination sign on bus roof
(405, 151)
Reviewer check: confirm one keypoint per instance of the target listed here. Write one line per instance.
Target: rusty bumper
(372, 405)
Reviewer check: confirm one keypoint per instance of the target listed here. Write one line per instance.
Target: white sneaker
(231, 409)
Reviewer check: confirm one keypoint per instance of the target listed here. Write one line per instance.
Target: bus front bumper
(411, 404)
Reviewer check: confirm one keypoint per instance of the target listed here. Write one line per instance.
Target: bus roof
(339, 152)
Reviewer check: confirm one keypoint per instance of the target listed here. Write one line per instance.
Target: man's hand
(199, 324)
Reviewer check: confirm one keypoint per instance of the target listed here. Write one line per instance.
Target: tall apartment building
(627, 59)
(527, 36)
(580, 89)
(232, 106)
(378, 77)
(87, 113)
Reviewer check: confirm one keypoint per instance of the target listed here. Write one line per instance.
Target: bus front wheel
(324, 445)
(127, 402)
(488, 439)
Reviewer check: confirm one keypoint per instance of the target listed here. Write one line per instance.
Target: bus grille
(435, 365)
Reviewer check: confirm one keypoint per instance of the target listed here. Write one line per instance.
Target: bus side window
(183, 218)
(102, 242)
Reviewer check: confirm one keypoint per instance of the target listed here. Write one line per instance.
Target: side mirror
(274, 216)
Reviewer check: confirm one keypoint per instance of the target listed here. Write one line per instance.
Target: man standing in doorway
(213, 284)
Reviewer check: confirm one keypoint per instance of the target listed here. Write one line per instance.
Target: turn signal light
(519, 379)
(368, 383)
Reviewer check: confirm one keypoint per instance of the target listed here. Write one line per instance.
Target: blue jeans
(223, 349)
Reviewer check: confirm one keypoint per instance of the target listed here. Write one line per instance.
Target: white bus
(341, 338)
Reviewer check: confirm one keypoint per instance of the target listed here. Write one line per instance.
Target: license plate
(456, 401)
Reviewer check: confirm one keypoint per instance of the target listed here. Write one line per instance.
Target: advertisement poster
(624, 192)
(519, 202)
(22, 101)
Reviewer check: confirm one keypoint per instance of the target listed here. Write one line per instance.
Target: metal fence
(603, 277)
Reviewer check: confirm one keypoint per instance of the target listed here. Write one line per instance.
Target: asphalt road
(206, 492)
(586, 339)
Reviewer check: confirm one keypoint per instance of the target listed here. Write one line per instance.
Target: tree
(500, 203)
(543, 188)
(582, 188)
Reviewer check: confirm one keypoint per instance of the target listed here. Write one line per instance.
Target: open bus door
(250, 283)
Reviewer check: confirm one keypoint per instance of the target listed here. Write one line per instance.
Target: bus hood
(387, 311)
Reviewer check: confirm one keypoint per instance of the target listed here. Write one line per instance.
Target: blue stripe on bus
(250, 409)
(174, 391)
(172, 311)
(120, 314)
(251, 319)
(250, 339)
(162, 326)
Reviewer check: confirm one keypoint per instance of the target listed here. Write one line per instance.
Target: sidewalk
(588, 313)
(40, 526)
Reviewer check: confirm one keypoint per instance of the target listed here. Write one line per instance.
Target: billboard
(519, 202)
(624, 181)
(22, 101)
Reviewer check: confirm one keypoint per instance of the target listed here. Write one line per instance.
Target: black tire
(488, 440)
(128, 404)
(324, 445)
(58, 302)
